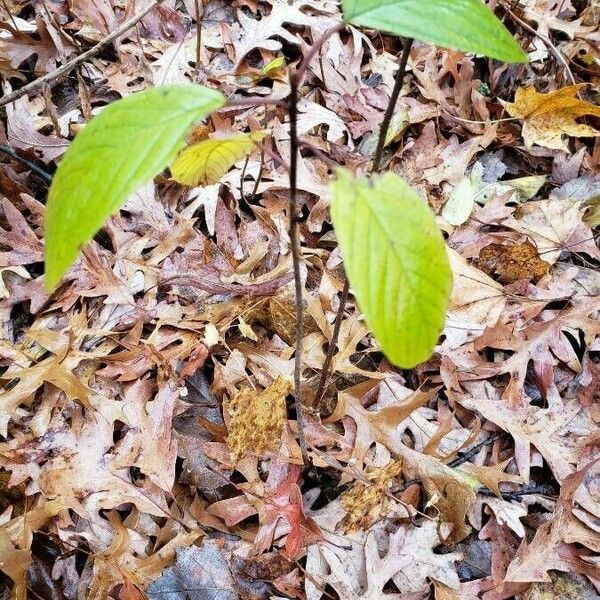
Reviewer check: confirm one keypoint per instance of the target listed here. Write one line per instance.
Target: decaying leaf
(366, 503)
(512, 262)
(256, 419)
(547, 117)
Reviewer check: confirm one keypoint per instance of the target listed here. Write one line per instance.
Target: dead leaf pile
(148, 445)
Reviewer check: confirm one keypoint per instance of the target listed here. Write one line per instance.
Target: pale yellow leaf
(206, 162)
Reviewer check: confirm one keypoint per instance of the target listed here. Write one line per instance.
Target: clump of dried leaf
(161, 364)
(256, 419)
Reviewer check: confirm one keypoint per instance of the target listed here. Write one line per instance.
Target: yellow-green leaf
(127, 144)
(395, 258)
(206, 162)
(466, 25)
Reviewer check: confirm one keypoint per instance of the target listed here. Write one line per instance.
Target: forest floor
(148, 443)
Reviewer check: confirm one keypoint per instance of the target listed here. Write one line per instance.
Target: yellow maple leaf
(256, 419)
(546, 117)
(206, 162)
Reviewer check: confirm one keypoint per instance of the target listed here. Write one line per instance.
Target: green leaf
(206, 162)
(127, 144)
(395, 258)
(466, 25)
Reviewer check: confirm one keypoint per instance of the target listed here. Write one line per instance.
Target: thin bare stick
(295, 80)
(314, 49)
(296, 258)
(339, 317)
(235, 103)
(561, 59)
(68, 66)
(27, 163)
(260, 171)
(389, 113)
(385, 125)
(10, 15)
(199, 15)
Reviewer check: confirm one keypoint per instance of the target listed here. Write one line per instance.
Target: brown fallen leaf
(493, 476)
(15, 541)
(546, 117)
(545, 552)
(366, 503)
(256, 419)
(512, 262)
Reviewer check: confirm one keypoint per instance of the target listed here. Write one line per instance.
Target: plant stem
(296, 257)
(199, 15)
(30, 165)
(339, 317)
(389, 112)
(295, 80)
(385, 125)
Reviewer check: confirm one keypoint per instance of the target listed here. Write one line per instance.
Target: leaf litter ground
(145, 445)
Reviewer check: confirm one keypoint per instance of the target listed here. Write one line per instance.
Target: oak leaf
(451, 490)
(546, 117)
(362, 571)
(492, 476)
(15, 543)
(545, 551)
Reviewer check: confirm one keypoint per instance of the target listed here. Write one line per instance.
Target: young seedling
(393, 252)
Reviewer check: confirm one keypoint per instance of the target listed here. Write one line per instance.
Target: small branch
(331, 164)
(561, 59)
(27, 163)
(389, 113)
(199, 14)
(545, 489)
(260, 171)
(475, 450)
(68, 66)
(252, 102)
(295, 80)
(376, 166)
(332, 345)
(296, 257)
(310, 55)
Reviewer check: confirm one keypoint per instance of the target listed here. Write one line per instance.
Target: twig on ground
(561, 59)
(68, 66)
(27, 163)
(475, 449)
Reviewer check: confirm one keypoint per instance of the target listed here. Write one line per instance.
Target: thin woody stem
(385, 125)
(70, 65)
(389, 113)
(332, 345)
(295, 80)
